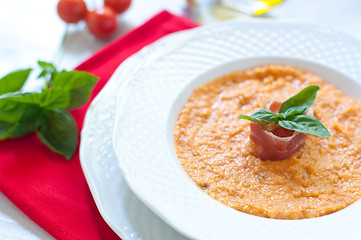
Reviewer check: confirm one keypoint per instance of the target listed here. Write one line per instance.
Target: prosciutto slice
(275, 142)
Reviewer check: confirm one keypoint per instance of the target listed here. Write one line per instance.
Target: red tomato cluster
(101, 22)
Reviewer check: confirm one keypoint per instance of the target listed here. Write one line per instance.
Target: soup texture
(215, 150)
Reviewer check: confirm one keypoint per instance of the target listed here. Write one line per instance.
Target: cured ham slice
(275, 142)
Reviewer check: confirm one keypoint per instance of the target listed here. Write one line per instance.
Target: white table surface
(31, 30)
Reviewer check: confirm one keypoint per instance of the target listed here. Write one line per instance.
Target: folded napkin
(51, 191)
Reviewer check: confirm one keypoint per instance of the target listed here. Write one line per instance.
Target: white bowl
(149, 105)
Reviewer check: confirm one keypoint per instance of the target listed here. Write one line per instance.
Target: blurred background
(32, 30)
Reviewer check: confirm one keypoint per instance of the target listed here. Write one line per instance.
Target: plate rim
(134, 61)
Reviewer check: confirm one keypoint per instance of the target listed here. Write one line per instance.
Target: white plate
(149, 103)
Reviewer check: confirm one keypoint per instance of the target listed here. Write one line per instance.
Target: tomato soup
(215, 150)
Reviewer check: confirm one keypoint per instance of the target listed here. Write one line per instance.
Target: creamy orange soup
(215, 150)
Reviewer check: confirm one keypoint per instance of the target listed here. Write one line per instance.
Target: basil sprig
(292, 114)
(44, 112)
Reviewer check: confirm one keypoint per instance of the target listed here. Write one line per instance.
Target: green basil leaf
(48, 68)
(262, 114)
(55, 98)
(5, 130)
(305, 123)
(14, 81)
(12, 112)
(252, 119)
(49, 98)
(48, 72)
(300, 102)
(31, 119)
(59, 132)
(265, 115)
(28, 97)
(80, 85)
(18, 119)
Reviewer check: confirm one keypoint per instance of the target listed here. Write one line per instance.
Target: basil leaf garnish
(265, 115)
(55, 98)
(252, 119)
(29, 97)
(12, 112)
(5, 130)
(305, 123)
(59, 132)
(14, 81)
(291, 114)
(31, 119)
(300, 102)
(49, 98)
(48, 72)
(78, 83)
(44, 112)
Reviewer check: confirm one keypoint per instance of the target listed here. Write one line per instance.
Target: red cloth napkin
(51, 191)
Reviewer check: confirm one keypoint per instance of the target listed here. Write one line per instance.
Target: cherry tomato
(118, 5)
(71, 11)
(102, 22)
